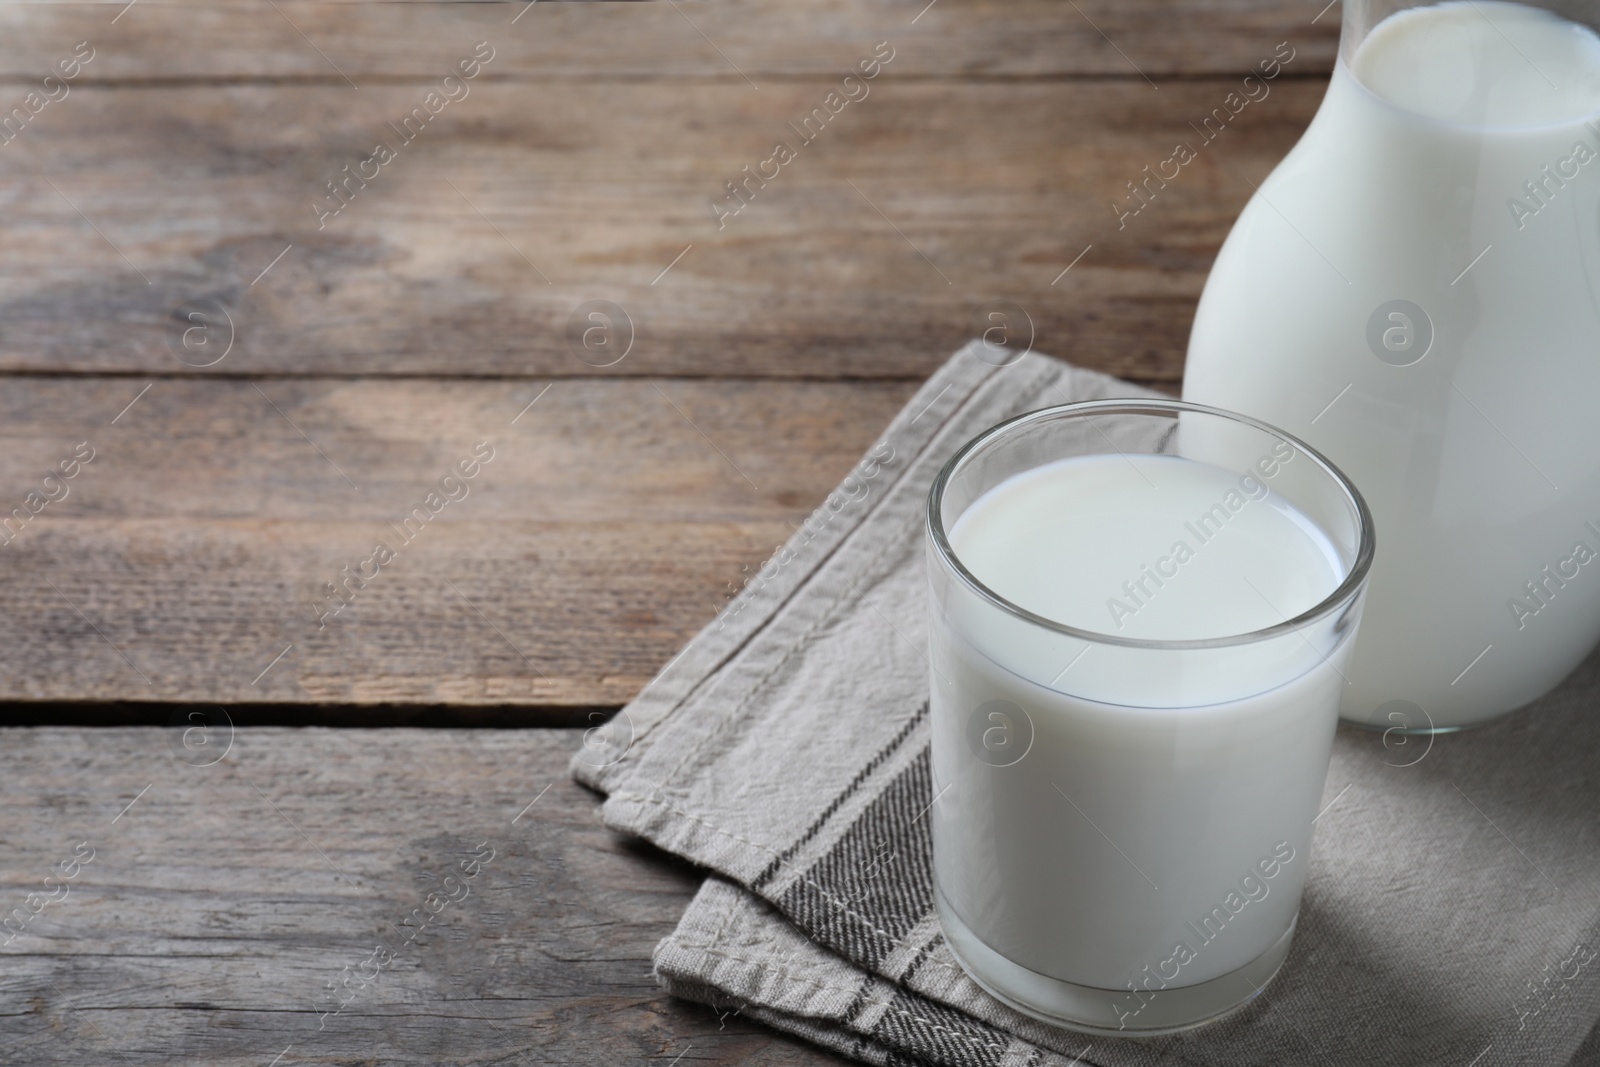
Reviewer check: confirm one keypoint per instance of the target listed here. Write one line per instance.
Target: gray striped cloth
(1453, 911)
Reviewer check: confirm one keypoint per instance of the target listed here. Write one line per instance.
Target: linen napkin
(1453, 910)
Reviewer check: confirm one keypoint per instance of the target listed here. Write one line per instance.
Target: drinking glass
(1122, 827)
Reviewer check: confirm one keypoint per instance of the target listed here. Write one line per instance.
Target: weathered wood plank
(194, 547)
(247, 39)
(872, 253)
(217, 910)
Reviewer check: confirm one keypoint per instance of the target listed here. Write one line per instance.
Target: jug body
(1415, 291)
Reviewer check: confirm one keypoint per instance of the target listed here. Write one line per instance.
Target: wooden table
(272, 377)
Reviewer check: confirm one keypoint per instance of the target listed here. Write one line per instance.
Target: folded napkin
(1453, 910)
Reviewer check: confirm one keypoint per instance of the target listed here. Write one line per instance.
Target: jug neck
(1361, 16)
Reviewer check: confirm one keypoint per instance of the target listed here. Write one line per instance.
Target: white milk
(1150, 809)
(1463, 390)
(1129, 545)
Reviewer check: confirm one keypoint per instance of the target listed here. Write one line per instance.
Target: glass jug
(1415, 291)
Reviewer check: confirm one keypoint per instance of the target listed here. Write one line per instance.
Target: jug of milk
(1415, 291)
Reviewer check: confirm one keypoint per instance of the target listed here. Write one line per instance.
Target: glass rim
(1334, 601)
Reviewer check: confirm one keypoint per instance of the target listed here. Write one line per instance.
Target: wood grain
(611, 524)
(307, 384)
(248, 39)
(873, 253)
(219, 906)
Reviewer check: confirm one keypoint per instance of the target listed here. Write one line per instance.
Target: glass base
(1095, 1011)
(1420, 731)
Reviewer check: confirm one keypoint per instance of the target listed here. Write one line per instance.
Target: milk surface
(1102, 854)
(1147, 546)
(1483, 63)
(1415, 291)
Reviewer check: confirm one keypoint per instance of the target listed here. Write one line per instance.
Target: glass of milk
(1142, 611)
(1415, 291)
